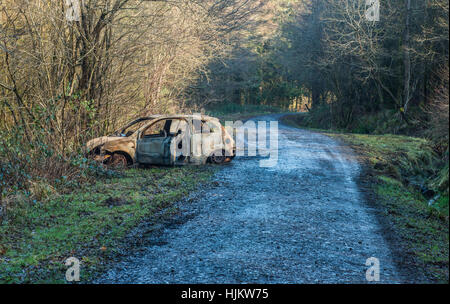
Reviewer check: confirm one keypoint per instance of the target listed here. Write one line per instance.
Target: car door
(180, 144)
(206, 139)
(211, 137)
(153, 144)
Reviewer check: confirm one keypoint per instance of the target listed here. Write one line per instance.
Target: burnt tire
(218, 157)
(118, 161)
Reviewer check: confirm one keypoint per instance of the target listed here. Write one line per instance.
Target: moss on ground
(423, 229)
(408, 159)
(89, 223)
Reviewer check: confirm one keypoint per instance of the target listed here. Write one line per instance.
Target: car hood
(99, 141)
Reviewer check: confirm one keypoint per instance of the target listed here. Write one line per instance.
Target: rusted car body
(165, 140)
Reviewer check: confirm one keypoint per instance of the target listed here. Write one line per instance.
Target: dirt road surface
(303, 221)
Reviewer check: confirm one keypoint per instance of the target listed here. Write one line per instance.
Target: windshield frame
(120, 132)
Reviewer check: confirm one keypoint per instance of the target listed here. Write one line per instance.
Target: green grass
(400, 166)
(423, 229)
(89, 223)
(408, 159)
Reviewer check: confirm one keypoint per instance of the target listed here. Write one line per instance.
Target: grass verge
(398, 168)
(89, 223)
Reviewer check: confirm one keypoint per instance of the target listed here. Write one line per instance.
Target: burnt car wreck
(165, 140)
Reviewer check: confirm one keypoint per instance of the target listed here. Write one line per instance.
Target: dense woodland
(64, 79)
(326, 57)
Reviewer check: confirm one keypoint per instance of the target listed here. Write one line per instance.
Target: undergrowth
(234, 111)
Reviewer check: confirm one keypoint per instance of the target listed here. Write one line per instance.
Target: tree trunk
(406, 60)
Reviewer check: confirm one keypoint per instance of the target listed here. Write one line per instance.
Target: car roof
(189, 116)
(175, 116)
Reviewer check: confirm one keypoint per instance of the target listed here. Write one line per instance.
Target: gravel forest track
(303, 221)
